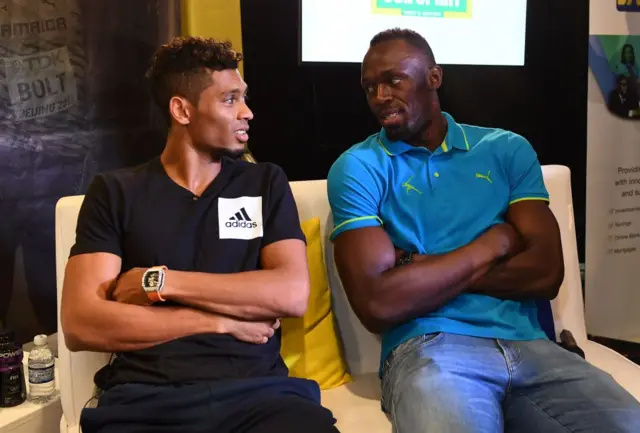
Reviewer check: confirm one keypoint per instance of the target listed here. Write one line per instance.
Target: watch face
(152, 279)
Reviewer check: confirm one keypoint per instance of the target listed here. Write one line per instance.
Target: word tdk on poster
(40, 84)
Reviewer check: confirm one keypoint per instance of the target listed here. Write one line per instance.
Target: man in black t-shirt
(184, 265)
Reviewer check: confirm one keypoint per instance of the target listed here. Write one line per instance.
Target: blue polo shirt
(436, 202)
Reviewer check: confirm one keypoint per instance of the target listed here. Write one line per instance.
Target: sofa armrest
(625, 372)
(76, 372)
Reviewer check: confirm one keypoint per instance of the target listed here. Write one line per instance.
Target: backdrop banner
(613, 172)
(73, 102)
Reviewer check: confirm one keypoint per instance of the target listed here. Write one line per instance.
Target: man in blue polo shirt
(444, 242)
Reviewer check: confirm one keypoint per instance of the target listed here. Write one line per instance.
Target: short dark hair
(183, 67)
(409, 36)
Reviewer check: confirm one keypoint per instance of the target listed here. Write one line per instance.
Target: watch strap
(154, 296)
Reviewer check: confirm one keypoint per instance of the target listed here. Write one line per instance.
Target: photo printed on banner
(615, 63)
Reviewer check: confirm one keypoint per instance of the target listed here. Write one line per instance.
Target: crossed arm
(280, 289)
(102, 312)
(106, 310)
(518, 260)
(536, 268)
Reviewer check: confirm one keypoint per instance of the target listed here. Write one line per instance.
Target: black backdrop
(306, 115)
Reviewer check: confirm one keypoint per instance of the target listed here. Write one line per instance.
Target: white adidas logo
(240, 218)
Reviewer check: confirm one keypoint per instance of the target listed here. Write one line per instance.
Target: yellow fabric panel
(310, 344)
(218, 19)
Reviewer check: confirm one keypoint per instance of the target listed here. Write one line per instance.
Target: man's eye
(230, 100)
(395, 81)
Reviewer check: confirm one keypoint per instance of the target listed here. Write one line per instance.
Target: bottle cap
(40, 340)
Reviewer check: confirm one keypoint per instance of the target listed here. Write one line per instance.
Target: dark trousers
(264, 405)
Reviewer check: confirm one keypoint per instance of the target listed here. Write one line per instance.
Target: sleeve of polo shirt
(281, 219)
(354, 196)
(525, 174)
(97, 230)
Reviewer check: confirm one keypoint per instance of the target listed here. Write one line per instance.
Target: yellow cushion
(310, 345)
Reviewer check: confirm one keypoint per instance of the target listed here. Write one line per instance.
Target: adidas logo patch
(241, 219)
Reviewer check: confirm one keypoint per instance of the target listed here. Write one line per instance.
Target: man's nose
(245, 113)
(382, 93)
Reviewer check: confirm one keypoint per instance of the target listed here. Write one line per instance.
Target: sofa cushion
(356, 405)
(310, 345)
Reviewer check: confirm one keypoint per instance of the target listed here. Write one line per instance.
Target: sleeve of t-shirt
(525, 174)
(97, 230)
(354, 196)
(281, 219)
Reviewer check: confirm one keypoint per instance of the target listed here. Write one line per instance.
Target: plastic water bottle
(12, 387)
(42, 381)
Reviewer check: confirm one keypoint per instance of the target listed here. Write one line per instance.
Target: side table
(32, 418)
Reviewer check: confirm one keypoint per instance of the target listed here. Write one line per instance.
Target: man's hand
(257, 332)
(128, 289)
(534, 267)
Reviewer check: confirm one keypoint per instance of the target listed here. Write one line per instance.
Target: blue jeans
(446, 383)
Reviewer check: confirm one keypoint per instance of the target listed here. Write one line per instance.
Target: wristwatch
(405, 258)
(153, 282)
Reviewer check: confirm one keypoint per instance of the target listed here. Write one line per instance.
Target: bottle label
(42, 380)
(12, 389)
(10, 360)
(41, 375)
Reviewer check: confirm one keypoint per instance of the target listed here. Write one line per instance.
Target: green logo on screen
(424, 8)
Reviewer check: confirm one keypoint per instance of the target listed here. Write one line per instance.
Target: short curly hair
(183, 67)
(409, 36)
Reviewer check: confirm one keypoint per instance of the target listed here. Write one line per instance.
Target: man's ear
(181, 110)
(434, 77)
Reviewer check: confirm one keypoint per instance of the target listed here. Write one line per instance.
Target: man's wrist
(168, 291)
(482, 255)
(220, 324)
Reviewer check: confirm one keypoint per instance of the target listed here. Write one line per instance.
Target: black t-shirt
(144, 217)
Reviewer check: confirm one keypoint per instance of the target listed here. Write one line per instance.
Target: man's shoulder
(365, 154)
(366, 149)
(493, 139)
(255, 168)
(263, 174)
(121, 182)
(127, 176)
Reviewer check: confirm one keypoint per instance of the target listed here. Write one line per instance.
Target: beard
(397, 133)
(403, 132)
(411, 132)
(218, 153)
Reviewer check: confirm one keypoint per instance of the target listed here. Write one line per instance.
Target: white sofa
(356, 406)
